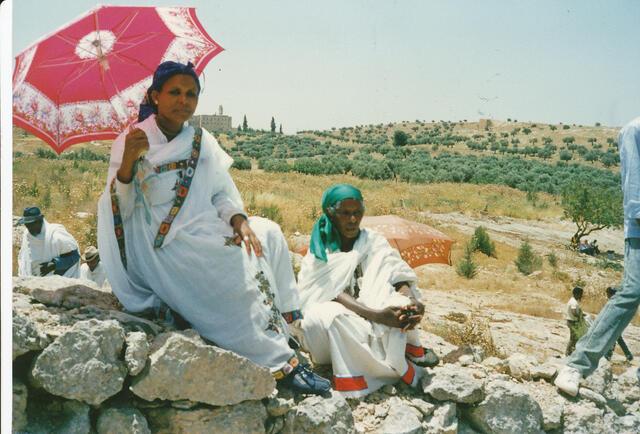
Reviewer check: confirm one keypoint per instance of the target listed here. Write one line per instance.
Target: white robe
(228, 296)
(97, 275)
(364, 355)
(53, 240)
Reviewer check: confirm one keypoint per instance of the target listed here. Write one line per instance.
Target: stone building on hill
(215, 122)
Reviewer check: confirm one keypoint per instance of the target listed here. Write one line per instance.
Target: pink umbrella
(85, 81)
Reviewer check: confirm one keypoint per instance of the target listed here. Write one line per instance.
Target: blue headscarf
(164, 72)
(325, 235)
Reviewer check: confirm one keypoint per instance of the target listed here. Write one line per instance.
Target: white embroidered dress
(364, 355)
(53, 240)
(225, 294)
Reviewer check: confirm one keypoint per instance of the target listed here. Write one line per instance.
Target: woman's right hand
(390, 316)
(136, 144)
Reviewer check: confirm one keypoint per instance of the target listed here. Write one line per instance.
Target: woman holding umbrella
(173, 234)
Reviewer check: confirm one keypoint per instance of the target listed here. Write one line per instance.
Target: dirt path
(513, 332)
(512, 231)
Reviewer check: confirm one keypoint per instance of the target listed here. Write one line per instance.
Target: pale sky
(331, 63)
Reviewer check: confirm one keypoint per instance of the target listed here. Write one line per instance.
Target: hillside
(500, 312)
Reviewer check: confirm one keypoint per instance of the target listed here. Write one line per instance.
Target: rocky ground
(81, 365)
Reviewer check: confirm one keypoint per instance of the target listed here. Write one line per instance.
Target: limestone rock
(274, 425)
(592, 396)
(583, 418)
(546, 371)
(247, 417)
(135, 355)
(83, 363)
(625, 424)
(57, 416)
(51, 321)
(435, 343)
(550, 402)
(133, 322)
(279, 406)
(465, 360)
(443, 420)
(19, 405)
(401, 419)
(26, 336)
(520, 366)
(321, 415)
(465, 428)
(624, 389)
(426, 408)
(478, 353)
(207, 374)
(454, 355)
(65, 292)
(599, 379)
(122, 421)
(496, 364)
(451, 383)
(507, 408)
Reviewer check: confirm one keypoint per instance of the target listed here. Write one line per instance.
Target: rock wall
(81, 365)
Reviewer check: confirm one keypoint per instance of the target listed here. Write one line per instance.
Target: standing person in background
(575, 319)
(47, 249)
(92, 269)
(618, 311)
(611, 291)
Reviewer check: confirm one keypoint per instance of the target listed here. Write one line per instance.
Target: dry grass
(294, 201)
(470, 330)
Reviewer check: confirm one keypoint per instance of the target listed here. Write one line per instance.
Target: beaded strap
(181, 195)
(117, 223)
(290, 317)
(182, 189)
(174, 165)
(286, 369)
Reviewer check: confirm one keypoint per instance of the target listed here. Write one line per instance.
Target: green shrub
(481, 241)
(241, 164)
(466, 267)
(605, 264)
(46, 153)
(527, 261)
(553, 259)
(272, 212)
(400, 138)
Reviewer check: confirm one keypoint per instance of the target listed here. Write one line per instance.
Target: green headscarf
(325, 234)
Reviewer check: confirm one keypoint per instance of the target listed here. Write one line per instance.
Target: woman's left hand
(245, 233)
(412, 315)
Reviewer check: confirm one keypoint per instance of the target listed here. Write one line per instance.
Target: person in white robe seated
(173, 235)
(359, 300)
(47, 249)
(92, 269)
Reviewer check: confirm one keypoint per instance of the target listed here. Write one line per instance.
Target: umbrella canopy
(86, 80)
(417, 243)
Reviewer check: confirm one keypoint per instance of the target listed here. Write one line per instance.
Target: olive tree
(591, 208)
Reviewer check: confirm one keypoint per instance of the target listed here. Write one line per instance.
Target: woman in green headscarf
(359, 300)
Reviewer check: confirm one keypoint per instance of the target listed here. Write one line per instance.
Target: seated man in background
(47, 248)
(359, 301)
(92, 268)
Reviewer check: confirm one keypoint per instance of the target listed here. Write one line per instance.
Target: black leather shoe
(429, 360)
(303, 380)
